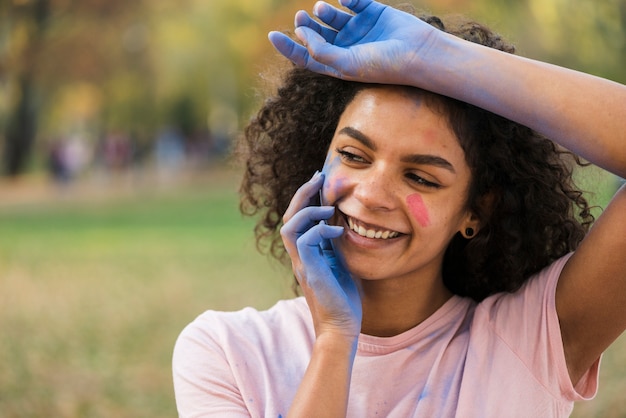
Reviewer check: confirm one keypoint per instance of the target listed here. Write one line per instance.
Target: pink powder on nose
(418, 209)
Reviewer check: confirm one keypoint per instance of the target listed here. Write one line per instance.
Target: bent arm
(333, 299)
(591, 293)
(325, 386)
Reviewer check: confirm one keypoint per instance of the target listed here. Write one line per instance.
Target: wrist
(437, 62)
(459, 69)
(325, 387)
(337, 345)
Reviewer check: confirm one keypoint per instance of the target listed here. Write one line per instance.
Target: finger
(305, 219)
(357, 6)
(303, 19)
(351, 288)
(331, 16)
(309, 251)
(321, 269)
(333, 262)
(320, 52)
(289, 48)
(304, 195)
(320, 232)
(327, 245)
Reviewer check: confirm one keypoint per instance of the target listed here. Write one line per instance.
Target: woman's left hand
(370, 45)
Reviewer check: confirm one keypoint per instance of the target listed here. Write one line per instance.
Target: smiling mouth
(368, 232)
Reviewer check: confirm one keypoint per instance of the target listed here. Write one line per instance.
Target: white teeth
(370, 233)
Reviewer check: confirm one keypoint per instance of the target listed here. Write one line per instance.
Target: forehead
(397, 114)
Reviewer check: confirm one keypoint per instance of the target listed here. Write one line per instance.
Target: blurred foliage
(94, 66)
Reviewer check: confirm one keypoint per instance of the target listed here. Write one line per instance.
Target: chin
(364, 272)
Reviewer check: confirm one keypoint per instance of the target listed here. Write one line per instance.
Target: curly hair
(521, 189)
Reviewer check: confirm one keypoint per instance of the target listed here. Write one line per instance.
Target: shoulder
(539, 289)
(530, 309)
(220, 336)
(523, 328)
(222, 361)
(225, 327)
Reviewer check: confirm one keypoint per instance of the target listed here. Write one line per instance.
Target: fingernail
(301, 35)
(316, 7)
(316, 176)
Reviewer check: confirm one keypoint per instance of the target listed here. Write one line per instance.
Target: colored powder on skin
(418, 209)
(331, 183)
(330, 164)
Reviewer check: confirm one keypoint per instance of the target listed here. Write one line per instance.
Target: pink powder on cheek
(418, 209)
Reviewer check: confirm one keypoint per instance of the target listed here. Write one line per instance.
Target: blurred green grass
(93, 293)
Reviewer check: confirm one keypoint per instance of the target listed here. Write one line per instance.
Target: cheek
(418, 209)
(333, 182)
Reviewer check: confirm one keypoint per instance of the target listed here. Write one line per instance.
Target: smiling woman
(443, 251)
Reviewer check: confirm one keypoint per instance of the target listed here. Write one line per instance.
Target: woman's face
(398, 178)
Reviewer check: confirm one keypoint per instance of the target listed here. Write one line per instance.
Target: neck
(391, 307)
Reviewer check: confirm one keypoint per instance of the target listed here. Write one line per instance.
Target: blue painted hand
(332, 295)
(374, 44)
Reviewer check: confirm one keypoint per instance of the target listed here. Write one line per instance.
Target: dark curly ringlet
(521, 189)
(286, 143)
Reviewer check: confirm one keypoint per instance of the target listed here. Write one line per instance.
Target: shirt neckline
(450, 313)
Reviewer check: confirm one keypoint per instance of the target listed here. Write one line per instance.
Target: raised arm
(334, 302)
(380, 44)
(583, 113)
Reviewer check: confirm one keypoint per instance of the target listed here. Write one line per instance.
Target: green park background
(119, 218)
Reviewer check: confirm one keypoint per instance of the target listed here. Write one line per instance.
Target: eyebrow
(426, 159)
(419, 159)
(359, 136)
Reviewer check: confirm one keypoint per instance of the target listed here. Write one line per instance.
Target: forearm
(583, 113)
(324, 389)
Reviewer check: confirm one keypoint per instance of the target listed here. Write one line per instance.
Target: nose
(376, 189)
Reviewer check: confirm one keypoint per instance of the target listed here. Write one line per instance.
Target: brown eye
(350, 157)
(422, 181)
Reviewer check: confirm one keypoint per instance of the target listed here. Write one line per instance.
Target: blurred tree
(27, 21)
(104, 45)
(587, 35)
(91, 50)
(98, 65)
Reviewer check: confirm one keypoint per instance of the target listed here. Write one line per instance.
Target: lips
(369, 231)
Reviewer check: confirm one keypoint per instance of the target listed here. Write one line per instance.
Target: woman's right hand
(333, 297)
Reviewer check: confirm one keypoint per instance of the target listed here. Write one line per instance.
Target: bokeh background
(119, 218)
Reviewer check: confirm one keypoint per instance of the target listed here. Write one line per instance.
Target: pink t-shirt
(500, 358)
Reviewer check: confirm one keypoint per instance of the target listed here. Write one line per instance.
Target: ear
(473, 223)
(470, 227)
